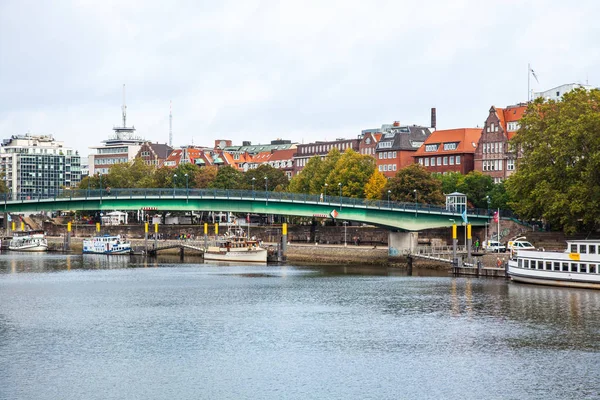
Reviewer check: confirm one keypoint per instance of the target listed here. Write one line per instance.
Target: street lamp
(253, 180)
(266, 190)
(488, 216)
(345, 241)
(389, 192)
(187, 192)
(325, 198)
(174, 178)
(100, 174)
(340, 186)
(416, 204)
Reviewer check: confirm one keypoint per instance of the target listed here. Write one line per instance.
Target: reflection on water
(119, 327)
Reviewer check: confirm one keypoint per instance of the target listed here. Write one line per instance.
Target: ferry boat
(106, 244)
(236, 249)
(578, 266)
(29, 241)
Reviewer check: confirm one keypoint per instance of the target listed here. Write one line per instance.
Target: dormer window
(431, 147)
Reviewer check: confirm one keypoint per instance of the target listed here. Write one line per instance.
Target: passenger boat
(29, 241)
(578, 266)
(236, 249)
(106, 244)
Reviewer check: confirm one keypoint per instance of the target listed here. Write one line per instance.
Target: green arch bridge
(391, 214)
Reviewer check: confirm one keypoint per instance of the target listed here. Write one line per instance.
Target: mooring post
(284, 240)
(145, 238)
(68, 241)
(409, 265)
(469, 242)
(205, 236)
(454, 245)
(155, 236)
(181, 252)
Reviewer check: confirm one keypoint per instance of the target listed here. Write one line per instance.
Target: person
(498, 263)
(477, 245)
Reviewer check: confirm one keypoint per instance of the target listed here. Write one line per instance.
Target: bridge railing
(332, 200)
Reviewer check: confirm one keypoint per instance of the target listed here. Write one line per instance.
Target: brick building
(449, 150)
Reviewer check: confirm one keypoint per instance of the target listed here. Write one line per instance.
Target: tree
(185, 168)
(499, 197)
(228, 177)
(205, 176)
(558, 176)
(411, 178)
(375, 186)
(476, 186)
(304, 182)
(353, 171)
(278, 181)
(130, 175)
(450, 181)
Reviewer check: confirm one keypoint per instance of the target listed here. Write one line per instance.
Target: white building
(37, 166)
(557, 92)
(121, 147)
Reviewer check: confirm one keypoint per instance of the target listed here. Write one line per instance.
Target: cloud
(260, 70)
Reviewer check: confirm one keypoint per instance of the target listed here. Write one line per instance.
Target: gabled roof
(280, 155)
(466, 139)
(161, 150)
(412, 139)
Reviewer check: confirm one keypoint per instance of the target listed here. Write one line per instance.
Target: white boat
(106, 245)
(578, 266)
(29, 241)
(236, 249)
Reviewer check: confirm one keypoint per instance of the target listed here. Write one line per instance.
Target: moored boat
(106, 244)
(236, 249)
(578, 266)
(29, 241)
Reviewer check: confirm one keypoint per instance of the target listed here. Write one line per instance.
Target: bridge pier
(400, 243)
(181, 253)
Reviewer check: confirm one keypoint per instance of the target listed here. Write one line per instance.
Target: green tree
(450, 181)
(129, 175)
(558, 176)
(182, 169)
(353, 171)
(499, 197)
(163, 177)
(411, 178)
(375, 186)
(277, 180)
(477, 187)
(228, 177)
(304, 181)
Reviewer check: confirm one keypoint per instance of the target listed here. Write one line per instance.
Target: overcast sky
(260, 70)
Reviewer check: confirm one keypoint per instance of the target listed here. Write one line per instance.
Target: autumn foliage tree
(415, 177)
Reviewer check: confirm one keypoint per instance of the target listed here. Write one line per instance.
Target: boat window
(565, 267)
(574, 267)
(520, 263)
(540, 264)
(592, 249)
(556, 266)
(573, 248)
(526, 263)
(549, 265)
(593, 268)
(583, 248)
(583, 268)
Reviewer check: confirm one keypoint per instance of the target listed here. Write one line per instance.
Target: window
(385, 168)
(445, 160)
(395, 154)
(431, 147)
(433, 161)
(380, 168)
(593, 268)
(439, 161)
(420, 161)
(510, 165)
(394, 167)
(451, 160)
(389, 154)
(573, 248)
(450, 146)
(556, 266)
(385, 155)
(548, 265)
(592, 249)
(573, 267)
(492, 127)
(583, 248)
(457, 160)
(427, 162)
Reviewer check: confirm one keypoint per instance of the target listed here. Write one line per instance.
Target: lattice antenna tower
(170, 124)
(124, 109)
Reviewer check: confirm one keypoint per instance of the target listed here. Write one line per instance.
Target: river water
(75, 327)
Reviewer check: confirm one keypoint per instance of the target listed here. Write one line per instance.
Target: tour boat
(236, 249)
(106, 245)
(578, 266)
(29, 241)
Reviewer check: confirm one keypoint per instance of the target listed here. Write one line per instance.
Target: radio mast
(170, 123)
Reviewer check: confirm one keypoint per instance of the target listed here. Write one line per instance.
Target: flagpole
(528, 78)
(498, 225)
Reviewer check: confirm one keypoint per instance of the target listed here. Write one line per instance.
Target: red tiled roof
(467, 139)
(279, 155)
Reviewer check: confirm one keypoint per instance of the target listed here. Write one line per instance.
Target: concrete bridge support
(400, 243)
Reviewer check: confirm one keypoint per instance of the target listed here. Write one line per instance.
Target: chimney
(433, 119)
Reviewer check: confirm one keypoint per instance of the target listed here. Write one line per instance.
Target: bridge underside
(393, 218)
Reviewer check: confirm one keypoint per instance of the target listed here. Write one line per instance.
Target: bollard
(145, 238)
(409, 269)
(68, 241)
(283, 239)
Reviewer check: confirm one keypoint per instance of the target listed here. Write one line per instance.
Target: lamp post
(416, 203)
(389, 192)
(187, 191)
(266, 190)
(345, 241)
(253, 180)
(488, 216)
(340, 186)
(101, 190)
(325, 198)
(174, 178)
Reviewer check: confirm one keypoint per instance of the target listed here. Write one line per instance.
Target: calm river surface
(74, 327)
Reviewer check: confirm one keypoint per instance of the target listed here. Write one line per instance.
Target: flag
(464, 216)
(496, 216)
(534, 75)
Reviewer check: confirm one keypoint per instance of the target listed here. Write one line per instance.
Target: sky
(262, 70)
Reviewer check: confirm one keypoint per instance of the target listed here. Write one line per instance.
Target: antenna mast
(170, 123)
(124, 108)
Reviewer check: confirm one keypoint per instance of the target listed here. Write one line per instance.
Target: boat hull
(259, 256)
(553, 278)
(33, 248)
(124, 251)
